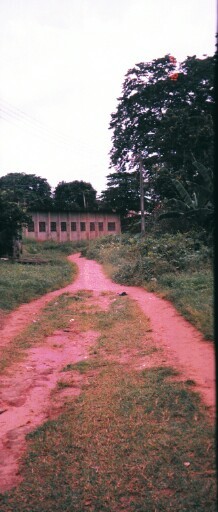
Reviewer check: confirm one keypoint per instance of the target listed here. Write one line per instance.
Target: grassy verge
(178, 267)
(22, 283)
(192, 294)
(134, 440)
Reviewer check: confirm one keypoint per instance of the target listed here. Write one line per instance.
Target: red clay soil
(25, 392)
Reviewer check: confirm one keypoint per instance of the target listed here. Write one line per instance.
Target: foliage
(12, 217)
(123, 194)
(27, 190)
(199, 208)
(35, 193)
(168, 122)
(75, 195)
(180, 251)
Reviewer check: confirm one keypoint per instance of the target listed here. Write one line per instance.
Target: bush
(36, 247)
(144, 258)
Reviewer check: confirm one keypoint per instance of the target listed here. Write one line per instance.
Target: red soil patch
(25, 393)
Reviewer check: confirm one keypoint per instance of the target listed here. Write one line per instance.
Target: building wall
(70, 226)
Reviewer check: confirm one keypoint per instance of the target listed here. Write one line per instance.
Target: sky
(62, 66)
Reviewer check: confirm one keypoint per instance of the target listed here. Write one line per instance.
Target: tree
(75, 195)
(198, 208)
(12, 218)
(123, 193)
(166, 121)
(27, 190)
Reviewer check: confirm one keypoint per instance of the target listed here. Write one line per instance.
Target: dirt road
(25, 392)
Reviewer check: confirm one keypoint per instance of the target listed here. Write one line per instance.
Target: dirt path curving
(25, 392)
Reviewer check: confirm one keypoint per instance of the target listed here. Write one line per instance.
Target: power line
(15, 121)
(15, 115)
(26, 117)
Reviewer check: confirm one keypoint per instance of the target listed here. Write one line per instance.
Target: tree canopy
(75, 195)
(123, 193)
(165, 115)
(27, 190)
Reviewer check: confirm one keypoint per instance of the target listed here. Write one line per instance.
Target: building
(71, 226)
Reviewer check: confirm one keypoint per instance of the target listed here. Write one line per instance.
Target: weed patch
(63, 384)
(83, 366)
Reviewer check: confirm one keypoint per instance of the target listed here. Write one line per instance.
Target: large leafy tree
(28, 190)
(165, 115)
(123, 193)
(75, 195)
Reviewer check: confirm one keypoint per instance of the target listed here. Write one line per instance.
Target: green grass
(22, 283)
(192, 294)
(132, 441)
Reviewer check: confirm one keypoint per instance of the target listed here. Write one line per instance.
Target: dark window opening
(53, 226)
(73, 226)
(30, 227)
(111, 226)
(82, 226)
(42, 227)
(63, 226)
(92, 226)
(100, 226)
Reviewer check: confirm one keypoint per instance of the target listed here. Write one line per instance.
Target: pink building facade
(71, 226)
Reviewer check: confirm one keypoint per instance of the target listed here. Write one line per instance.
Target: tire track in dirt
(184, 345)
(26, 390)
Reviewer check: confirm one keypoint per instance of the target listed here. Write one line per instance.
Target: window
(42, 227)
(53, 226)
(63, 226)
(30, 227)
(111, 226)
(100, 226)
(82, 226)
(73, 226)
(92, 226)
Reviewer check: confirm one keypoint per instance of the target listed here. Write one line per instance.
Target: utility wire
(14, 114)
(5, 116)
(24, 116)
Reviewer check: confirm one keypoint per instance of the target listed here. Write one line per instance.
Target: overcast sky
(62, 65)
